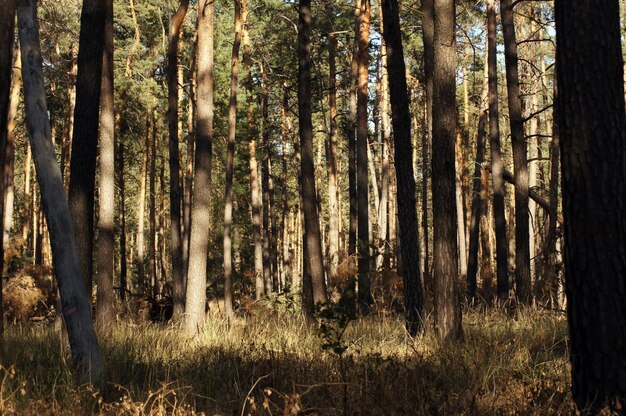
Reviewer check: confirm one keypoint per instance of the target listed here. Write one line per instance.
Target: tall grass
(272, 363)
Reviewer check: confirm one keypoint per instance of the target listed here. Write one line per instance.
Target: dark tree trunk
(364, 292)
(351, 137)
(268, 247)
(122, 214)
(407, 215)
(176, 244)
(520, 156)
(86, 357)
(85, 134)
(201, 204)
(313, 240)
(445, 263)
(592, 134)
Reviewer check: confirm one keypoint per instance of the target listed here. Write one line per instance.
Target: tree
(176, 244)
(445, 263)
(314, 259)
(592, 136)
(230, 156)
(407, 215)
(362, 133)
(85, 133)
(76, 308)
(105, 313)
(201, 202)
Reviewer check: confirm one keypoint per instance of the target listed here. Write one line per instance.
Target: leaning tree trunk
(105, 259)
(364, 289)
(407, 215)
(592, 134)
(445, 263)
(176, 243)
(314, 257)
(86, 356)
(520, 156)
(230, 157)
(85, 134)
(496, 159)
(201, 199)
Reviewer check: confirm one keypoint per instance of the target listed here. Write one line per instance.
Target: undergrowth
(274, 363)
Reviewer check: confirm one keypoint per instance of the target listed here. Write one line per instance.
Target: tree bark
(86, 357)
(286, 234)
(152, 250)
(105, 248)
(256, 223)
(9, 149)
(85, 133)
(141, 210)
(314, 258)
(176, 243)
(592, 136)
(445, 263)
(496, 159)
(230, 157)
(351, 137)
(201, 205)
(520, 156)
(268, 246)
(122, 216)
(407, 215)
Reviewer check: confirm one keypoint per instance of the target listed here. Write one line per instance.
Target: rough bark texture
(176, 244)
(230, 157)
(256, 222)
(85, 134)
(496, 159)
(407, 215)
(268, 247)
(364, 289)
(105, 258)
(520, 156)
(592, 134)
(8, 150)
(314, 259)
(351, 137)
(445, 254)
(86, 356)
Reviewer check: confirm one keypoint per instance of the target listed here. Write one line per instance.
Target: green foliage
(335, 317)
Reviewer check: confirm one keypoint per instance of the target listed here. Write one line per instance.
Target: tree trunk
(122, 214)
(460, 215)
(351, 137)
(152, 250)
(201, 204)
(26, 216)
(86, 357)
(364, 290)
(176, 244)
(85, 133)
(592, 132)
(496, 159)
(520, 157)
(9, 149)
(268, 246)
(230, 157)
(66, 142)
(105, 258)
(141, 209)
(286, 234)
(445, 263)
(256, 222)
(314, 257)
(407, 215)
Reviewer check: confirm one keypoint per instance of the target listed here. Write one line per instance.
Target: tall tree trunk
(85, 133)
(176, 244)
(407, 215)
(520, 157)
(9, 149)
(26, 214)
(592, 135)
(314, 257)
(551, 274)
(152, 250)
(66, 142)
(364, 292)
(201, 205)
(351, 137)
(230, 157)
(256, 222)
(268, 247)
(496, 158)
(105, 314)
(286, 235)
(191, 142)
(460, 215)
(122, 214)
(474, 229)
(86, 357)
(141, 210)
(445, 263)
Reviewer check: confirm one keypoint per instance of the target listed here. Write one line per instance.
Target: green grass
(272, 363)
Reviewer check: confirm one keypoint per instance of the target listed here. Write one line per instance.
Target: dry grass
(272, 363)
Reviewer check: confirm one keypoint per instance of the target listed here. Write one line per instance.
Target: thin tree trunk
(256, 222)
(191, 140)
(460, 215)
(26, 216)
(520, 157)
(268, 248)
(85, 133)
(496, 159)
(201, 204)
(141, 209)
(314, 258)
(86, 357)
(230, 157)
(351, 137)
(176, 244)
(152, 250)
(66, 142)
(286, 234)
(105, 248)
(445, 263)
(122, 214)
(9, 149)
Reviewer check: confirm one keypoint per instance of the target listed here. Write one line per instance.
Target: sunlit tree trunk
(141, 209)
(351, 138)
(287, 236)
(152, 250)
(9, 148)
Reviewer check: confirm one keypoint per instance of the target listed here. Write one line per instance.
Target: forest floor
(273, 363)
